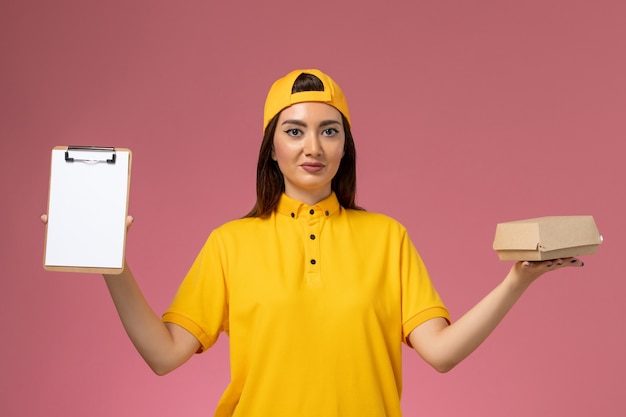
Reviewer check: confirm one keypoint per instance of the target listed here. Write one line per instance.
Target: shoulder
(369, 216)
(372, 220)
(234, 234)
(238, 227)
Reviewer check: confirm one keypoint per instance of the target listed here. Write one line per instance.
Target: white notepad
(87, 209)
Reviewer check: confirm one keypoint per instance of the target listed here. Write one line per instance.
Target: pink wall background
(465, 114)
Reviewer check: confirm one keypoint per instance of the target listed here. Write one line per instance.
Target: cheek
(273, 154)
(339, 152)
(280, 152)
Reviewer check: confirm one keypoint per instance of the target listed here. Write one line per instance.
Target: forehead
(311, 111)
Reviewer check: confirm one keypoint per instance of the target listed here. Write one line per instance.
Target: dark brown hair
(270, 183)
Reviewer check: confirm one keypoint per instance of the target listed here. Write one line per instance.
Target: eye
(331, 131)
(293, 132)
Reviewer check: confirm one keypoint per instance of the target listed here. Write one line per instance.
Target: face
(308, 147)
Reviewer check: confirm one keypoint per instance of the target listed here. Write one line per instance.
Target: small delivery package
(545, 238)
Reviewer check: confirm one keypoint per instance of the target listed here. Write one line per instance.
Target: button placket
(312, 229)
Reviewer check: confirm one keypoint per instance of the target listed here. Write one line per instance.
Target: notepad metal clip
(90, 154)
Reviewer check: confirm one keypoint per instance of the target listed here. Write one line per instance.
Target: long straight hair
(270, 183)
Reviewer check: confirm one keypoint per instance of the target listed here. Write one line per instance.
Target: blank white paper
(87, 211)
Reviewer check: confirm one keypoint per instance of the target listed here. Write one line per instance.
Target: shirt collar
(294, 208)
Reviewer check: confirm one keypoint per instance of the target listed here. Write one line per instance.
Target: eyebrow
(303, 124)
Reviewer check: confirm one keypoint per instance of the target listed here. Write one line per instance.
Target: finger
(129, 221)
(44, 218)
(553, 263)
(569, 262)
(573, 262)
(539, 265)
(559, 263)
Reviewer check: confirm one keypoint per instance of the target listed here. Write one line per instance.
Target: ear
(273, 154)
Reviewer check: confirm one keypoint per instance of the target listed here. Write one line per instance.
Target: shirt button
(312, 237)
(327, 213)
(312, 261)
(293, 214)
(312, 211)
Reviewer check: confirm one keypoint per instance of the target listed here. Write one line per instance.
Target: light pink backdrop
(466, 113)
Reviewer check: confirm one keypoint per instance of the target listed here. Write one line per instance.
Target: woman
(316, 294)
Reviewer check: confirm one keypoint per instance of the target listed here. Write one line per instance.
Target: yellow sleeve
(200, 305)
(420, 300)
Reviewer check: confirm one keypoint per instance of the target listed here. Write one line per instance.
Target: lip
(312, 166)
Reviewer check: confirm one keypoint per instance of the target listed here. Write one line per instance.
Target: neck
(310, 198)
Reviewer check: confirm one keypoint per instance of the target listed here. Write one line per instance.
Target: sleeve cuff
(421, 317)
(191, 326)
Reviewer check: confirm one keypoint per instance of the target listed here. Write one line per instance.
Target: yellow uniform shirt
(317, 302)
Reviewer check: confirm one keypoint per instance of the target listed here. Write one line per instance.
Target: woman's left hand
(529, 271)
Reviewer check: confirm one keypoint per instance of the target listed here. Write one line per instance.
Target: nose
(312, 145)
